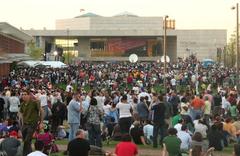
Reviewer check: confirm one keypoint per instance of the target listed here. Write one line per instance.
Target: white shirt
(178, 127)
(43, 100)
(100, 101)
(225, 103)
(136, 90)
(144, 94)
(106, 109)
(124, 110)
(173, 82)
(148, 130)
(36, 153)
(185, 139)
(201, 129)
(14, 103)
(183, 111)
(68, 88)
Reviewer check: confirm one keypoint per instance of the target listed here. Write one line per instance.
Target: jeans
(45, 112)
(194, 113)
(27, 133)
(125, 124)
(94, 133)
(158, 129)
(73, 129)
(13, 115)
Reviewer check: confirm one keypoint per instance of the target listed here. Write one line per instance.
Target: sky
(189, 14)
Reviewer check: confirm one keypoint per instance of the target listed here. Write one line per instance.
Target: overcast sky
(189, 14)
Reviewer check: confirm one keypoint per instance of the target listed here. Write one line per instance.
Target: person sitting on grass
(136, 133)
(148, 132)
(236, 151)
(39, 145)
(171, 143)
(126, 147)
(78, 146)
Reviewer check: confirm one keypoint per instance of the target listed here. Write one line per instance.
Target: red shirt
(126, 149)
(197, 103)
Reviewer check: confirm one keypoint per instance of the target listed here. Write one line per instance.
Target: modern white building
(92, 36)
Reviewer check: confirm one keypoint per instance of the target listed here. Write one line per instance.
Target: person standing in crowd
(174, 100)
(2, 103)
(197, 107)
(142, 110)
(78, 146)
(30, 114)
(44, 104)
(95, 115)
(158, 117)
(74, 110)
(217, 103)
(207, 110)
(58, 115)
(14, 104)
(125, 117)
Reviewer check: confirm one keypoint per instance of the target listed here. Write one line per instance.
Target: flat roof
(107, 33)
(10, 30)
(99, 33)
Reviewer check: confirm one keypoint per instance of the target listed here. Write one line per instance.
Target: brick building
(12, 47)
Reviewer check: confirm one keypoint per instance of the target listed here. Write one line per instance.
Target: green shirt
(233, 110)
(172, 145)
(175, 119)
(30, 112)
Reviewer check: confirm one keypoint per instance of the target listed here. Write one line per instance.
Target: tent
(207, 62)
(50, 64)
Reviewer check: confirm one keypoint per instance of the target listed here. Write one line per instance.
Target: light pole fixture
(237, 44)
(68, 55)
(164, 51)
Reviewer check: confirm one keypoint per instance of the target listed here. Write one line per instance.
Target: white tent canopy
(51, 64)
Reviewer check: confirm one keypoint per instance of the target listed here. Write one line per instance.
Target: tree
(67, 57)
(35, 52)
(230, 51)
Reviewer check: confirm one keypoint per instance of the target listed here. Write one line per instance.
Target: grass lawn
(142, 149)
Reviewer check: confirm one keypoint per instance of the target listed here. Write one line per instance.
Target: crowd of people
(197, 112)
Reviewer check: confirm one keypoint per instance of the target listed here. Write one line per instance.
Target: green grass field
(111, 146)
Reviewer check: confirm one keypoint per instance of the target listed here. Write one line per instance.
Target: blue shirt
(74, 112)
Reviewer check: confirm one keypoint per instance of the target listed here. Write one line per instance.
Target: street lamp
(68, 45)
(164, 49)
(237, 44)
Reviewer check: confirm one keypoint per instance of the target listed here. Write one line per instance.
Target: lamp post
(237, 44)
(164, 50)
(68, 44)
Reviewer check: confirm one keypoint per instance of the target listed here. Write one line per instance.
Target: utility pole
(164, 52)
(68, 55)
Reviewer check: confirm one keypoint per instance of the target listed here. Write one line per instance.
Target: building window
(97, 45)
(37, 41)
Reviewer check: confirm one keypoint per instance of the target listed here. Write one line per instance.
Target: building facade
(93, 36)
(12, 46)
